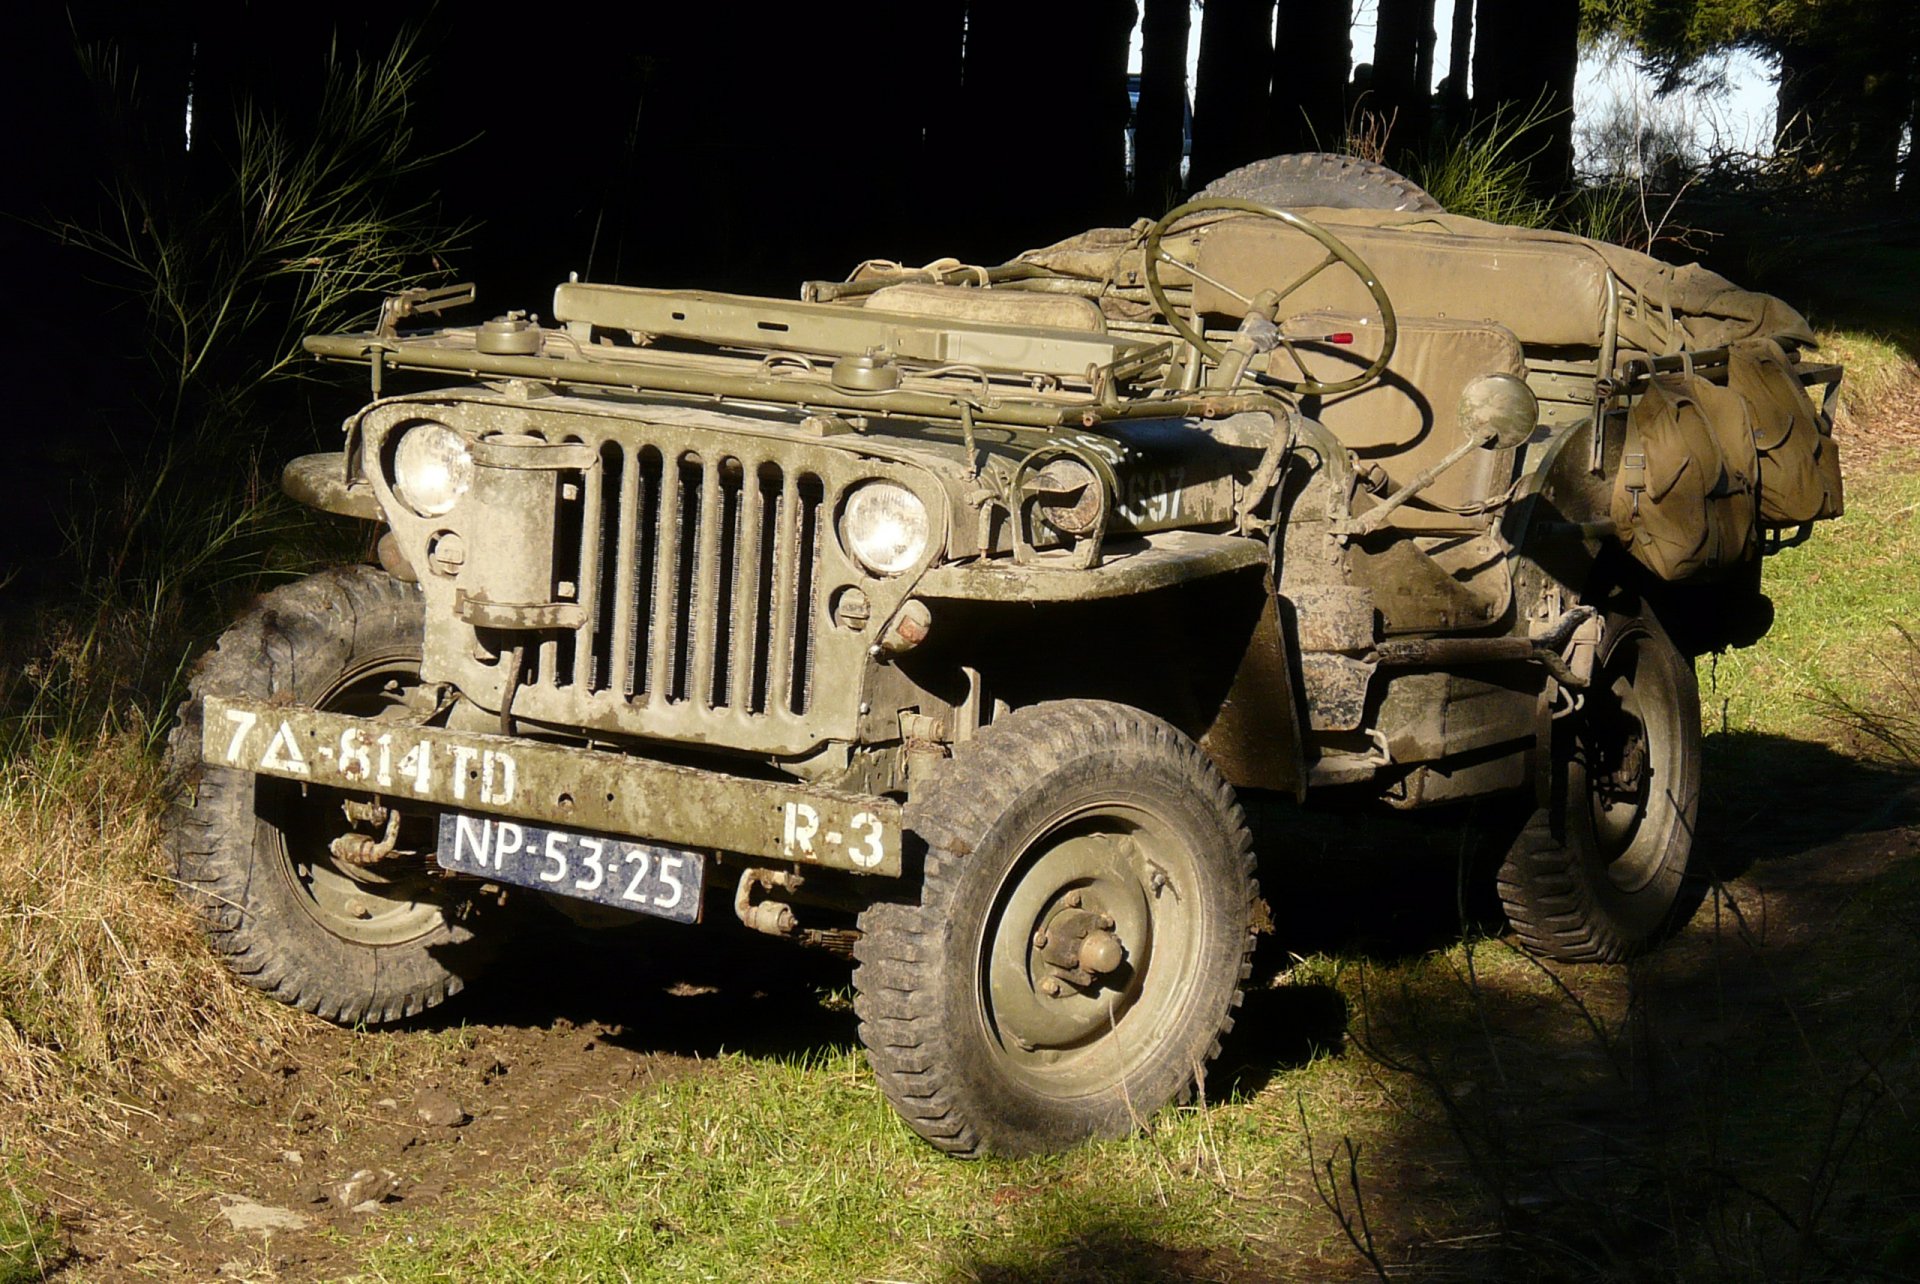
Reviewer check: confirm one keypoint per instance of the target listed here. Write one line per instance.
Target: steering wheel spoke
(1153, 255)
(1308, 275)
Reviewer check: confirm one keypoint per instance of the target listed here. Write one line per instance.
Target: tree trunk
(1313, 53)
(1910, 163)
(1231, 117)
(1524, 60)
(1058, 123)
(1456, 87)
(1160, 121)
(1399, 99)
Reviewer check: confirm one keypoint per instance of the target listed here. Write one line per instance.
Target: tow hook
(363, 849)
(776, 918)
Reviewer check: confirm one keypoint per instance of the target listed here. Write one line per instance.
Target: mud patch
(289, 1168)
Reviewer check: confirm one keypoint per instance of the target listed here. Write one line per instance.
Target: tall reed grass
(302, 229)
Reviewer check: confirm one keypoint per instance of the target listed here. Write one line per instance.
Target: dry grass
(102, 971)
(1879, 412)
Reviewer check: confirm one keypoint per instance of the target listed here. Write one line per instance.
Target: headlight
(432, 468)
(885, 527)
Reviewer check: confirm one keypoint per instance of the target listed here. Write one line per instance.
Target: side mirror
(1498, 411)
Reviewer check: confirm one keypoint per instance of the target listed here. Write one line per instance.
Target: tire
(353, 944)
(1054, 821)
(1601, 874)
(1324, 180)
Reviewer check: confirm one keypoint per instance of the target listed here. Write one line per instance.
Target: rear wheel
(373, 938)
(1602, 873)
(1080, 938)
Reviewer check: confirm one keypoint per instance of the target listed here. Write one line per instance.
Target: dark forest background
(748, 147)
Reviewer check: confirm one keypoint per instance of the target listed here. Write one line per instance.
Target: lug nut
(1050, 987)
(1040, 939)
(1073, 900)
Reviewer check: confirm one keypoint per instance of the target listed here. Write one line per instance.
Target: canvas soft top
(1551, 288)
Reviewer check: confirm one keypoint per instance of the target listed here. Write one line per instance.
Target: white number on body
(633, 884)
(243, 723)
(597, 848)
(871, 852)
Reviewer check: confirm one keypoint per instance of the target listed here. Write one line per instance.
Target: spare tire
(1324, 180)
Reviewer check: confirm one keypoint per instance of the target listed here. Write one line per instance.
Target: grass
(102, 972)
(1840, 601)
(29, 1240)
(1488, 1118)
(801, 1162)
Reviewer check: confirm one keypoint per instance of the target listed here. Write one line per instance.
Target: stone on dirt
(246, 1215)
(437, 1110)
(367, 1186)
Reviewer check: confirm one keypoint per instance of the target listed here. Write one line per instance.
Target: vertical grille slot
(805, 588)
(676, 620)
(726, 604)
(634, 663)
(702, 611)
(571, 521)
(766, 541)
(608, 504)
(656, 649)
(785, 571)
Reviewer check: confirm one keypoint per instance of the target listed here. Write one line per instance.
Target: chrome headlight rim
(885, 527)
(432, 468)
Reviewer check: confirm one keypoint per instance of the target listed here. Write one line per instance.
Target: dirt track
(444, 1106)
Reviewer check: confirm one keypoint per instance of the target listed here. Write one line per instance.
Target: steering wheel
(1337, 252)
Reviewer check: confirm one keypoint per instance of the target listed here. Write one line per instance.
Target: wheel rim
(1065, 1011)
(368, 905)
(1631, 747)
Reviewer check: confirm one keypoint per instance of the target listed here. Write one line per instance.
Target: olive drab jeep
(939, 616)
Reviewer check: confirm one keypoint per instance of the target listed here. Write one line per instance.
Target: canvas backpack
(1684, 498)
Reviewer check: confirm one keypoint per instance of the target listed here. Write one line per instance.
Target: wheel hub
(1075, 939)
(1079, 943)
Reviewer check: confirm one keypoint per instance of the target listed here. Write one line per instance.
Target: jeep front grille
(700, 572)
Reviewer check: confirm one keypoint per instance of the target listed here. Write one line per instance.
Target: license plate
(643, 877)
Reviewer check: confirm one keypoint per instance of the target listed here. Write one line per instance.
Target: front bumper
(579, 789)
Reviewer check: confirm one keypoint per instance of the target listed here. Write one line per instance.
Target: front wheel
(368, 939)
(1080, 938)
(1601, 874)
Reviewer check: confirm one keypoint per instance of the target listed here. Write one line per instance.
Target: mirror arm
(1376, 517)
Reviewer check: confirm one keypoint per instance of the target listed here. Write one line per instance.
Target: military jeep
(939, 616)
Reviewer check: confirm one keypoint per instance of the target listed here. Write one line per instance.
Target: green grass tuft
(30, 1243)
(1840, 601)
(803, 1164)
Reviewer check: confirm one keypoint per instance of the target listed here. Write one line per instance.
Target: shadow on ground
(1740, 1105)
(663, 988)
(1371, 885)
